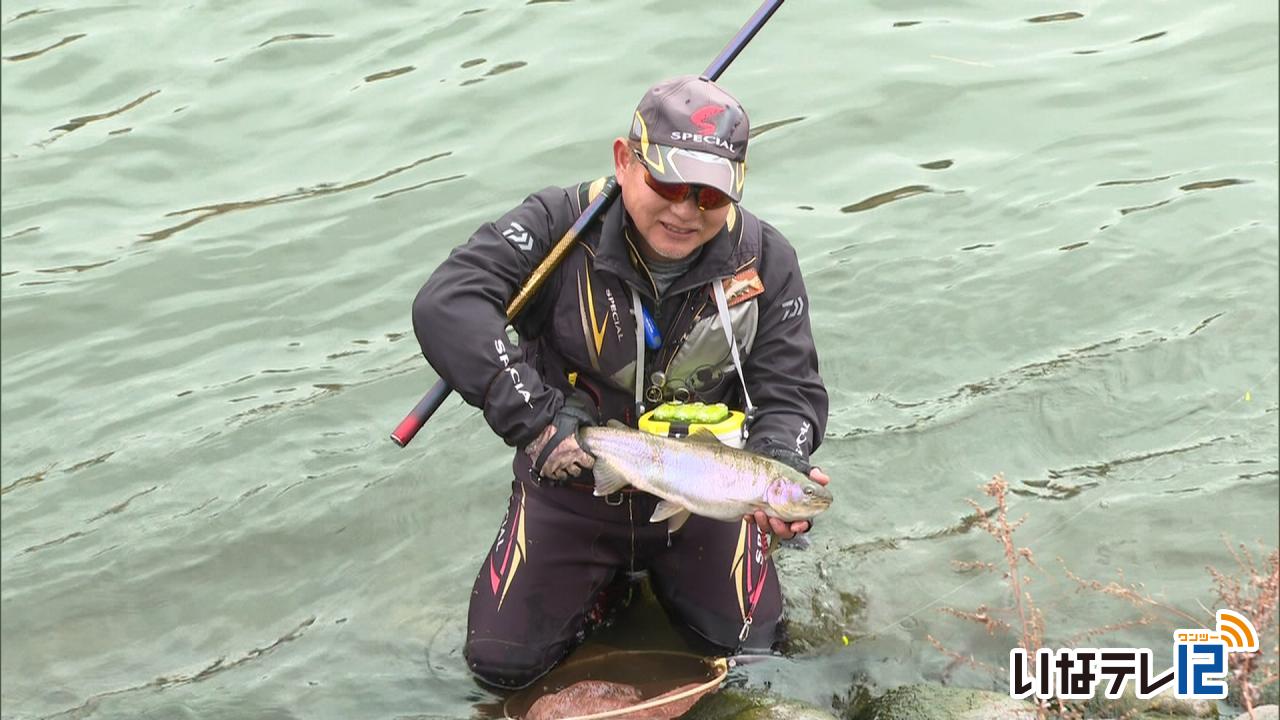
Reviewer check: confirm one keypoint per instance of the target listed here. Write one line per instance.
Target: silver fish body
(700, 475)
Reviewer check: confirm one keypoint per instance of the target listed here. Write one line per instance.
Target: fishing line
(1071, 518)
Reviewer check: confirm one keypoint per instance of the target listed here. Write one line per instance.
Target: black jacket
(580, 324)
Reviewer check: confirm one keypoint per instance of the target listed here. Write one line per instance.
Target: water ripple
(963, 330)
(1056, 17)
(1105, 468)
(121, 506)
(420, 185)
(505, 68)
(79, 122)
(876, 201)
(1140, 181)
(77, 268)
(37, 53)
(164, 682)
(294, 36)
(29, 13)
(1008, 381)
(56, 542)
(1188, 188)
(208, 212)
(39, 476)
(386, 74)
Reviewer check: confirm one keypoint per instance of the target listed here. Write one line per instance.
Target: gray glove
(555, 452)
(784, 454)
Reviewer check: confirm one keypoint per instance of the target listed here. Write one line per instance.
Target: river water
(1040, 240)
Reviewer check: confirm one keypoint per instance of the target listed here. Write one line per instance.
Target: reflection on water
(79, 122)
(294, 36)
(876, 201)
(208, 212)
(37, 53)
(1056, 17)
(1039, 245)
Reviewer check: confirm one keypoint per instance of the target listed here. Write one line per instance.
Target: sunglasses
(708, 198)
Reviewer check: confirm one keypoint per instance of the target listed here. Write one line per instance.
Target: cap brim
(679, 165)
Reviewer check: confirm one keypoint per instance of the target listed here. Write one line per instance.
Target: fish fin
(677, 521)
(703, 434)
(608, 479)
(666, 509)
(615, 423)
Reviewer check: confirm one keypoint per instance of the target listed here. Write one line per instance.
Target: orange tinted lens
(710, 198)
(672, 192)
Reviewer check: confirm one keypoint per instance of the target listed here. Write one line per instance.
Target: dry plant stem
(1258, 602)
(958, 659)
(1132, 594)
(1256, 596)
(999, 527)
(1107, 629)
(996, 523)
(965, 566)
(980, 616)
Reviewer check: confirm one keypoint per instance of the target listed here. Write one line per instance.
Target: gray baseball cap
(691, 131)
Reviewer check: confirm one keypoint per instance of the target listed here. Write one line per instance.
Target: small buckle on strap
(613, 500)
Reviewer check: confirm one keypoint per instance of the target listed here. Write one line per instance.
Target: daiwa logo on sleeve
(518, 236)
(792, 308)
(802, 439)
(1199, 666)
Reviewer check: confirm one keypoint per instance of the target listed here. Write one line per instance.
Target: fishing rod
(431, 402)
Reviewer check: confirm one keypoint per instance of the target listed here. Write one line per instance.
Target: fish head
(795, 498)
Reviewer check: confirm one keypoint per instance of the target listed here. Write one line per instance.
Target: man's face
(669, 230)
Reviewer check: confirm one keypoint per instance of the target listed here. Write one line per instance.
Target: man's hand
(784, 530)
(567, 459)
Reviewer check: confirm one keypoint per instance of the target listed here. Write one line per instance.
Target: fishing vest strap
(722, 305)
(637, 310)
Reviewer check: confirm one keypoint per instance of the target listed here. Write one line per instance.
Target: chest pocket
(702, 369)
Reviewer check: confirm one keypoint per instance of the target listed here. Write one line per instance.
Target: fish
(699, 475)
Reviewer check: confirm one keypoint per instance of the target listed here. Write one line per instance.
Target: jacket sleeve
(782, 369)
(459, 317)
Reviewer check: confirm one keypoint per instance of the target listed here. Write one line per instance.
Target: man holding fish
(677, 298)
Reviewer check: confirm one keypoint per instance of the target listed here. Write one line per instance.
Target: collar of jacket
(615, 251)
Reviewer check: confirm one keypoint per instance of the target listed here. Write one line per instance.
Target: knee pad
(507, 665)
(723, 633)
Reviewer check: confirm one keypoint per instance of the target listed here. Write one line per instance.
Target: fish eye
(808, 491)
